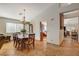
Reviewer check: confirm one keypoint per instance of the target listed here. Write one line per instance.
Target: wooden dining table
(23, 39)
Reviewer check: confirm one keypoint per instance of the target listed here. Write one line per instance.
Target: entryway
(69, 25)
(43, 30)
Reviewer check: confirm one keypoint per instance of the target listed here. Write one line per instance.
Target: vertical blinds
(13, 27)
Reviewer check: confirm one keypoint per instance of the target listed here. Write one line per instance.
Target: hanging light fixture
(23, 18)
(24, 22)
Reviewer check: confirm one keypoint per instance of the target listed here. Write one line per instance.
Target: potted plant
(23, 31)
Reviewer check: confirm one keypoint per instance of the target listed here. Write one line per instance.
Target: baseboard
(53, 44)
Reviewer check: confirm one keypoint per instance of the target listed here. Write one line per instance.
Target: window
(13, 27)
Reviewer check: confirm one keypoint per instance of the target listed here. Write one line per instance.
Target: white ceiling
(13, 10)
(71, 14)
(62, 5)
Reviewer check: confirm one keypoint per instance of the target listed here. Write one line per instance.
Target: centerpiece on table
(24, 31)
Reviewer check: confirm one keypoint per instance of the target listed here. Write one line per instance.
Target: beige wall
(78, 29)
(3, 22)
(36, 28)
(51, 15)
(2, 26)
(54, 34)
(53, 26)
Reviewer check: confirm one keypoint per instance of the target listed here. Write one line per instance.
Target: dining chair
(31, 41)
(15, 39)
(1, 41)
(7, 38)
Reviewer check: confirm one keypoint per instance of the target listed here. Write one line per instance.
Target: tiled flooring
(69, 47)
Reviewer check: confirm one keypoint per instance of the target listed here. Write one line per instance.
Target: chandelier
(24, 22)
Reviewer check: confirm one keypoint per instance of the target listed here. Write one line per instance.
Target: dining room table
(23, 38)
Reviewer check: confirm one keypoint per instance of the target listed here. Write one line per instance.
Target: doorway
(43, 30)
(69, 26)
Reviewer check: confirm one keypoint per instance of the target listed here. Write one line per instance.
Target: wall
(52, 24)
(3, 22)
(2, 26)
(36, 28)
(44, 15)
(72, 7)
(54, 34)
(78, 29)
(69, 8)
(61, 37)
(51, 15)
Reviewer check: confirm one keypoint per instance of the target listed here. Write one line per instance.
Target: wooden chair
(15, 39)
(7, 38)
(31, 41)
(4, 39)
(1, 41)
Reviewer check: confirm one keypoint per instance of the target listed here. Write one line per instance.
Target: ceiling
(12, 10)
(71, 14)
(65, 4)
